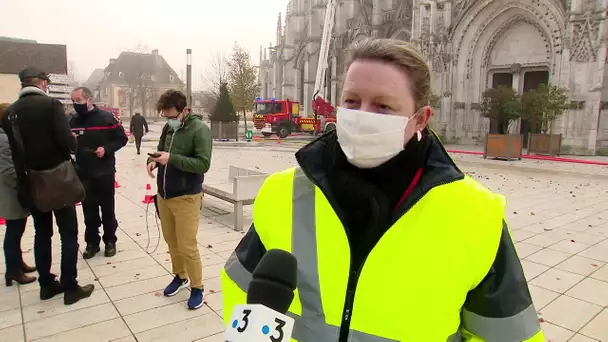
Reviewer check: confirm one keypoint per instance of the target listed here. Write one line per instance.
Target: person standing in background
(183, 157)
(47, 142)
(139, 128)
(99, 136)
(14, 214)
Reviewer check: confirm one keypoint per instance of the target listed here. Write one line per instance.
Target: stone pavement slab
(558, 216)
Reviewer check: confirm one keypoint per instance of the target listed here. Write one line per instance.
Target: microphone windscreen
(274, 280)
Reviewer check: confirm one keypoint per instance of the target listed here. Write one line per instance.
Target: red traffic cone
(116, 185)
(279, 140)
(2, 221)
(149, 197)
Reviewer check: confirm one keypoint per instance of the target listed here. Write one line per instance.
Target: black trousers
(138, 142)
(12, 245)
(100, 196)
(68, 229)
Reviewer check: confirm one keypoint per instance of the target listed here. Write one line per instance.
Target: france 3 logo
(257, 323)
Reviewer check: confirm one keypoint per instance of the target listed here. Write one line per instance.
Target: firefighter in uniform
(393, 241)
(99, 136)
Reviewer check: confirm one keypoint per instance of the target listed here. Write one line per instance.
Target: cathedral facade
(470, 45)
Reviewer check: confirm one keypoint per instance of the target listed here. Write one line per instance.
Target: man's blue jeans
(68, 230)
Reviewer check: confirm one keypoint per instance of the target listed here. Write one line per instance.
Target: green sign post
(248, 135)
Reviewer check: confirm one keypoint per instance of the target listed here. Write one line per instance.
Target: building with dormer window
(133, 82)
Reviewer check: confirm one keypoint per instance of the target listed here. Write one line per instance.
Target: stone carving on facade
(397, 19)
(300, 42)
(589, 5)
(302, 35)
(548, 23)
(441, 56)
(300, 56)
(425, 39)
(436, 48)
(586, 36)
(538, 8)
(424, 45)
(359, 26)
(366, 8)
(460, 8)
(499, 33)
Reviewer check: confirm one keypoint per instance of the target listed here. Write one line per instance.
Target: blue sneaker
(196, 299)
(176, 285)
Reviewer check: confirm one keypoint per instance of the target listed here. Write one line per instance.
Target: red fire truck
(282, 117)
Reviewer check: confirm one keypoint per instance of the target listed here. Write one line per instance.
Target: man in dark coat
(47, 142)
(99, 136)
(139, 127)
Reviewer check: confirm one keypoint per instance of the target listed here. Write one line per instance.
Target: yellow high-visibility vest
(413, 284)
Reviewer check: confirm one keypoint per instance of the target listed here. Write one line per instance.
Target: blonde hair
(3, 107)
(401, 54)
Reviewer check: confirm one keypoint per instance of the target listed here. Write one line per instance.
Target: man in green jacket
(182, 159)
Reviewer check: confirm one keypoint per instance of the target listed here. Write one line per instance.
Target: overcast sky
(95, 31)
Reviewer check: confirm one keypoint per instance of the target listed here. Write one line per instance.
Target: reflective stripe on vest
(237, 272)
(520, 327)
(311, 324)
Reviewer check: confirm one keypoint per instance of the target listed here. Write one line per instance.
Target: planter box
(547, 144)
(503, 146)
(225, 130)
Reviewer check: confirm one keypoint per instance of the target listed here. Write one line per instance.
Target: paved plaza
(558, 214)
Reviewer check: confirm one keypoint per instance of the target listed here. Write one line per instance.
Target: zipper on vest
(347, 314)
(353, 279)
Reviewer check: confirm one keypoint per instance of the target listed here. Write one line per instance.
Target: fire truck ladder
(328, 27)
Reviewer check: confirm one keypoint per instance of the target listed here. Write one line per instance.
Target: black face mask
(81, 108)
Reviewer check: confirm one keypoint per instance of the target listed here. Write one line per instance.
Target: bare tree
(140, 48)
(216, 74)
(243, 81)
(208, 100)
(182, 75)
(72, 70)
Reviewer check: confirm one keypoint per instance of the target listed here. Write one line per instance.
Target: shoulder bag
(51, 189)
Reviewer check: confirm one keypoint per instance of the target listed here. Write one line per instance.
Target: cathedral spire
(279, 29)
(261, 56)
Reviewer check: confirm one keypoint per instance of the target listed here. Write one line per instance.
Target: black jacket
(502, 294)
(44, 130)
(97, 128)
(138, 126)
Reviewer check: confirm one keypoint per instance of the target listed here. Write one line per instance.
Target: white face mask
(370, 139)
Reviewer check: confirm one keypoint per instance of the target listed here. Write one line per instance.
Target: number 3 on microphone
(257, 323)
(278, 328)
(245, 320)
(265, 328)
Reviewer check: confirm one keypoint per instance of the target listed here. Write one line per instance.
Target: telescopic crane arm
(319, 90)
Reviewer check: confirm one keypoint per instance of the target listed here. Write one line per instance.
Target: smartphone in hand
(154, 155)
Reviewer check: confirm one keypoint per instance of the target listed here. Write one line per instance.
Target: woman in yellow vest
(393, 241)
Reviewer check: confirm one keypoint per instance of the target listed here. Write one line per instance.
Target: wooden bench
(241, 189)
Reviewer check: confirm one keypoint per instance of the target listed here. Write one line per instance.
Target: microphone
(269, 296)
